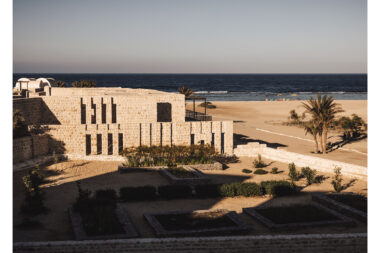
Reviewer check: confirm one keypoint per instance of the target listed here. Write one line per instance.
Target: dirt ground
(261, 121)
(61, 192)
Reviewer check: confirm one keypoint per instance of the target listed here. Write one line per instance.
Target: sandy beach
(262, 121)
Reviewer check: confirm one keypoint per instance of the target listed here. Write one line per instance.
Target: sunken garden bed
(184, 175)
(297, 216)
(353, 205)
(118, 226)
(196, 223)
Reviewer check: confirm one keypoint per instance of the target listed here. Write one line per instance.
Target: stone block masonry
(103, 121)
(308, 243)
(29, 147)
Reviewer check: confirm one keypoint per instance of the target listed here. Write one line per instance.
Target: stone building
(103, 121)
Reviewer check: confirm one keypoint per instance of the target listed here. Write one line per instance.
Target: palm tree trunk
(325, 139)
(316, 144)
(321, 141)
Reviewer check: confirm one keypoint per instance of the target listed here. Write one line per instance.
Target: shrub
(207, 190)
(249, 190)
(274, 170)
(174, 191)
(181, 172)
(246, 171)
(293, 174)
(145, 156)
(229, 190)
(33, 179)
(260, 172)
(224, 159)
(337, 181)
(258, 163)
(309, 174)
(278, 188)
(106, 196)
(83, 200)
(20, 128)
(33, 203)
(137, 193)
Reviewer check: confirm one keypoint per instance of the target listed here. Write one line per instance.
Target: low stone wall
(252, 149)
(266, 243)
(29, 147)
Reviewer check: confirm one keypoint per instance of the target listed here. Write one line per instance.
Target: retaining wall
(252, 149)
(29, 147)
(266, 243)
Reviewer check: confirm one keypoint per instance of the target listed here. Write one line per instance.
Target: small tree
(20, 128)
(34, 196)
(185, 91)
(309, 174)
(337, 181)
(294, 116)
(60, 83)
(293, 174)
(258, 162)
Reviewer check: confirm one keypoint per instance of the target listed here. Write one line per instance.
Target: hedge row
(275, 188)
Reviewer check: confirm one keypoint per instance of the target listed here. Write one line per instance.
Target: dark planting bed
(297, 216)
(196, 223)
(181, 172)
(184, 175)
(353, 205)
(102, 225)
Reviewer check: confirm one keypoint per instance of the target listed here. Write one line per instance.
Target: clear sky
(194, 36)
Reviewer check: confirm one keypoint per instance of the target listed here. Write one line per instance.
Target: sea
(232, 87)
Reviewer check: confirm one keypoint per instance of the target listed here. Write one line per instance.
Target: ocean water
(233, 87)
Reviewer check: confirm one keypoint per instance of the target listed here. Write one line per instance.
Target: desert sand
(261, 121)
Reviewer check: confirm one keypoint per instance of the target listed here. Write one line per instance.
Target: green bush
(337, 180)
(249, 190)
(146, 156)
(260, 172)
(207, 190)
(274, 170)
(229, 190)
(137, 193)
(247, 171)
(258, 163)
(278, 188)
(98, 213)
(34, 196)
(293, 174)
(174, 191)
(309, 174)
(106, 197)
(83, 200)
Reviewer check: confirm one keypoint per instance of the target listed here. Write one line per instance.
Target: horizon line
(192, 73)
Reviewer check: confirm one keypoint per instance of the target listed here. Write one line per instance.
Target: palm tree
(185, 91)
(323, 110)
(313, 128)
(60, 83)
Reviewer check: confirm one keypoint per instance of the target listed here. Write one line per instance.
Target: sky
(197, 36)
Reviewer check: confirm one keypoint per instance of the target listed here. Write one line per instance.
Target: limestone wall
(30, 109)
(136, 134)
(103, 121)
(318, 243)
(26, 148)
(252, 149)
